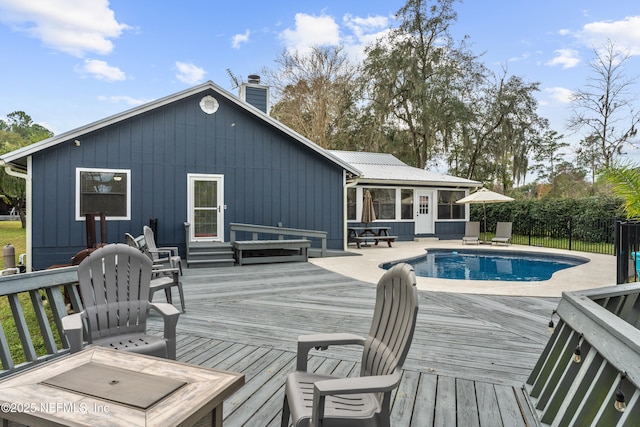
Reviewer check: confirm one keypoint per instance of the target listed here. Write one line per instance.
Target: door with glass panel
(424, 211)
(206, 207)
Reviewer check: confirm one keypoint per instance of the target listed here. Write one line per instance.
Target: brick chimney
(255, 93)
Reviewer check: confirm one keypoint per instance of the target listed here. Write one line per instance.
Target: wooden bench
(267, 251)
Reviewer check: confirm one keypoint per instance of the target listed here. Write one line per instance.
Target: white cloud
(102, 71)
(625, 34)
(567, 58)
(354, 33)
(364, 32)
(117, 99)
(559, 94)
(522, 57)
(75, 27)
(239, 39)
(311, 31)
(363, 26)
(189, 73)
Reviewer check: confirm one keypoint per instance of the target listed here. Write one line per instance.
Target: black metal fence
(627, 246)
(584, 234)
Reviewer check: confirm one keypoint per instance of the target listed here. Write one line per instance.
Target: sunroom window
(103, 190)
(351, 204)
(384, 202)
(406, 203)
(447, 206)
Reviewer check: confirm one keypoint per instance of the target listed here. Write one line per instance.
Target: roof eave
(415, 183)
(14, 157)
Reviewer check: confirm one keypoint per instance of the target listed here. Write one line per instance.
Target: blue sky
(71, 62)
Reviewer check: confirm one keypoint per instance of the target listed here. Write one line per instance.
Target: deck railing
(46, 300)
(256, 231)
(592, 357)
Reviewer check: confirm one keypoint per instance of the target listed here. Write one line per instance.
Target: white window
(447, 206)
(103, 190)
(390, 204)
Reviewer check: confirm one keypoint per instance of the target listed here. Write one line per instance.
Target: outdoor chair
(114, 285)
(161, 255)
(313, 400)
(161, 278)
(471, 233)
(503, 233)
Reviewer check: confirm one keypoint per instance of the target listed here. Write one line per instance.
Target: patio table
(100, 387)
(360, 234)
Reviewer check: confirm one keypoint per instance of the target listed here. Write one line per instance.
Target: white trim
(79, 170)
(219, 179)
(346, 185)
(429, 226)
(29, 212)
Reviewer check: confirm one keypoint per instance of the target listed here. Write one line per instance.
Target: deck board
(469, 357)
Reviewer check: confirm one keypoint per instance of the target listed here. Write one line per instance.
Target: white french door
(424, 211)
(205, 200)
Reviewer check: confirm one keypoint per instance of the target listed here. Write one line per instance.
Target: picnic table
(358, 235)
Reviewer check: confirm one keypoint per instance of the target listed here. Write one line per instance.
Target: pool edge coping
(598, 272)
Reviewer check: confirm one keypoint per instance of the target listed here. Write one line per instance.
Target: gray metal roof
(18, 158)
(386, 168)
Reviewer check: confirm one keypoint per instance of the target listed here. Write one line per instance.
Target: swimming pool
(469, 264)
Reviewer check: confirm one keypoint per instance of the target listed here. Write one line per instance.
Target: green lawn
(12, 232)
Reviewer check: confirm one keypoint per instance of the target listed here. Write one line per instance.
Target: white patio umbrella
(485, 196)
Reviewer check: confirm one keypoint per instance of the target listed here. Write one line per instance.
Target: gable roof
(382, 168)
(18, 158)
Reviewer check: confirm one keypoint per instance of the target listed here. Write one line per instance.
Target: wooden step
(213, 254)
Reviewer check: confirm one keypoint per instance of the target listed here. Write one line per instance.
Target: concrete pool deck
(600, 271)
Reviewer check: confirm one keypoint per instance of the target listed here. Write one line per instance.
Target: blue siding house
(209, 158)
(202, 156)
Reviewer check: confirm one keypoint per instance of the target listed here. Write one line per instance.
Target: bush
(555, 215)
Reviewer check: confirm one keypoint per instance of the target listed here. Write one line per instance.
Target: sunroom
(413, 202)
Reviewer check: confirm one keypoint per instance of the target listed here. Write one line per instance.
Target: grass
(12, 232)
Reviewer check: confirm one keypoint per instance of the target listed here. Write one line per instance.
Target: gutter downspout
(27, 178)
(345, 232)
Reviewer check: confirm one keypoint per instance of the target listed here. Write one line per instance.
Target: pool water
(490, 265)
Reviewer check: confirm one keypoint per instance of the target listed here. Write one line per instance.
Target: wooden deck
(468, 361)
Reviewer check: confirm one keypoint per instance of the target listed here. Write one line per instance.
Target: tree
(569, 182)
(17, 131)
(605, 106)
(548, 154)
(412, 82)
(499, 132)
(588, 155)
(315, 94)
(625, 178)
